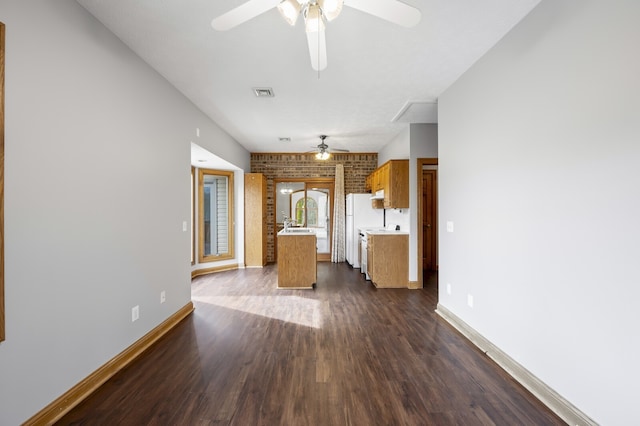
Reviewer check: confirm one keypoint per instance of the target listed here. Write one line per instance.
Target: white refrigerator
(359, 214)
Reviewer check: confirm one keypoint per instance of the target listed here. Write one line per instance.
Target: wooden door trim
(420, 163)
(2, 326)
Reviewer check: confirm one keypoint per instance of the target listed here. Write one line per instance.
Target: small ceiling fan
(315, 14)
(323, 152)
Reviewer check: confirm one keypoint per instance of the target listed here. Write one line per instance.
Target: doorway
(309, 204)
(427, 221)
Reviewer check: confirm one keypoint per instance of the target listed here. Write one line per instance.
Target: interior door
(429, 224)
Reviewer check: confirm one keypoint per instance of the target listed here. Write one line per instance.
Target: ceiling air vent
(263, 92)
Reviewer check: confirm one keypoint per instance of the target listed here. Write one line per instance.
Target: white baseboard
(559, 405)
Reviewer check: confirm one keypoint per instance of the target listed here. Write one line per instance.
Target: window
(311, 207)
(215, 215)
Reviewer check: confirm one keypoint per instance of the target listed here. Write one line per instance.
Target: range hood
(379, 195)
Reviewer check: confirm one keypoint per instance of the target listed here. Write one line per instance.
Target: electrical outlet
(449, 289)
(163, 296)
(135, 313)
(470, 300)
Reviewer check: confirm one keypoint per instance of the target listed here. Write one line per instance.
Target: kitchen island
(297, 258)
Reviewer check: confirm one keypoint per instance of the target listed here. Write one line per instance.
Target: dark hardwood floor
(341, 354)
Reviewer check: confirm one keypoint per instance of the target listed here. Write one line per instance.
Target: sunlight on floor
(295, 309)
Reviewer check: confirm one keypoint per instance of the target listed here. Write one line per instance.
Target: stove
(363, 249)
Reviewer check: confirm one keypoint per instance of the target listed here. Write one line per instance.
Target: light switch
(184, 226)
(449, 226)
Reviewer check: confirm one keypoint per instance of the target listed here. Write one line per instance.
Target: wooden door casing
(429, 220)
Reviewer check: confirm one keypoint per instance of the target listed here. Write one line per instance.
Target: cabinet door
(397, 191)
(376, 181)
(264, 220)
(255, 187)
(384, 176)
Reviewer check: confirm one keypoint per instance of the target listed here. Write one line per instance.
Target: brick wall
(357, 166)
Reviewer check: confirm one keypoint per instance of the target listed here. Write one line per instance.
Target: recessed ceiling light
(263, 92)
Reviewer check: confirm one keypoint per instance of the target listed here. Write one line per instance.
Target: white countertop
(297, 232)
(385, 232)
(363, 230)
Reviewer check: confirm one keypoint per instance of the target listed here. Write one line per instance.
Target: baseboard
(559, 405)
(205, 271)
(74, 396)
(414, 285)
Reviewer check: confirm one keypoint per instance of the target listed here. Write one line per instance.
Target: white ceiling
(376, 70)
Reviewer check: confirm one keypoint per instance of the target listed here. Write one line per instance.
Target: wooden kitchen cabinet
(382, 180)
(393, 178)
(388, 259)
(255, 220)
(375, 180)
(368, 187)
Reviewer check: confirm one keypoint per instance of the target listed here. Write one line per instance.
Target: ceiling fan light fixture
(313, 21)
(289, 10)
(322, 155)
(331, 8)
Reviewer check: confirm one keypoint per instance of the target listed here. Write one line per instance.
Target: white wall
(398, 217)
(424, 142)
(539, 152)
(96, 190)
(397, 149)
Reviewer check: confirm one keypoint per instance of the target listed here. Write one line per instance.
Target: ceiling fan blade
(339, 150)
(317, 50)
(389, 10)
(242, 13)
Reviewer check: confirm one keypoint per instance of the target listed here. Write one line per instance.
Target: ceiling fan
(323, 152)
(315, 14)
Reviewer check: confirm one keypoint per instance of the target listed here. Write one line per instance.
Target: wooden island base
(297, 268)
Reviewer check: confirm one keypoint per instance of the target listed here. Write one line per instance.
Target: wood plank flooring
(341, 354)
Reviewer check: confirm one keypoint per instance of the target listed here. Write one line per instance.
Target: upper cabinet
(393, 179)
